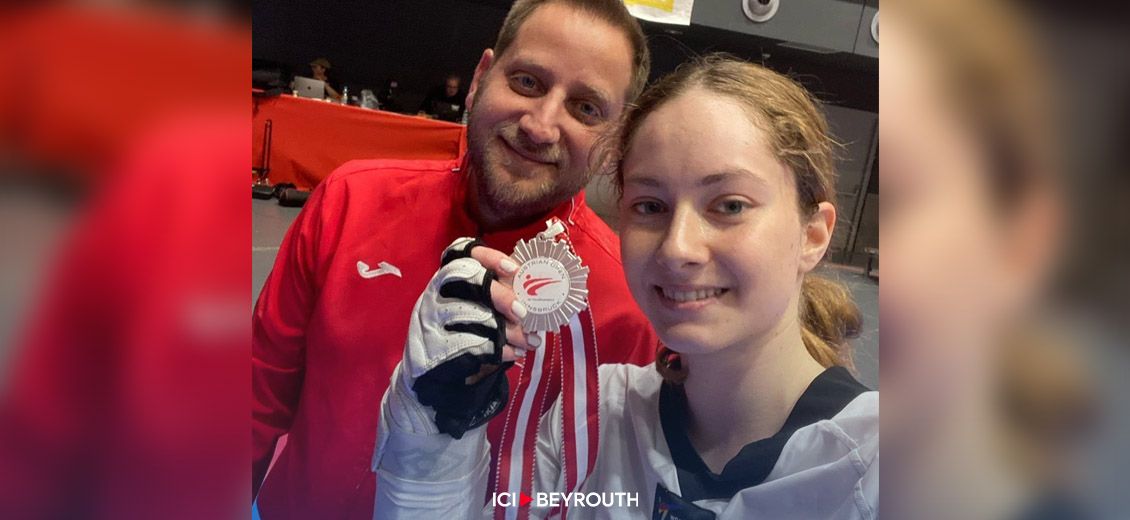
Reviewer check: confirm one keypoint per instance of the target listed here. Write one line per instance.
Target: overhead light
(760, 11)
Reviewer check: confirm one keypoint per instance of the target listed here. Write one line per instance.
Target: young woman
(727, 205)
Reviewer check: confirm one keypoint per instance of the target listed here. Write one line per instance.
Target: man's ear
(817, 236)
(480, 72)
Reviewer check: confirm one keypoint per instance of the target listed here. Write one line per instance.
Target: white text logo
(573, 500)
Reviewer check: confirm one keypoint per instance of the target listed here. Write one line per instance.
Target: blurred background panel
(1005, 229)
(123, 155)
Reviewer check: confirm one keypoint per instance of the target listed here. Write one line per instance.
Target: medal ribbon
(566, 368)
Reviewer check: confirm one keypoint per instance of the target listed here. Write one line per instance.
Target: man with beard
(332, 318)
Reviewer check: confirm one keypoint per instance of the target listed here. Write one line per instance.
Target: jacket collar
(504, 239)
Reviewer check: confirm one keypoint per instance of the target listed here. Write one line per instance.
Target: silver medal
(550, 282)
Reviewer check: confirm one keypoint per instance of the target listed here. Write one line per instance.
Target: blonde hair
(798, 136)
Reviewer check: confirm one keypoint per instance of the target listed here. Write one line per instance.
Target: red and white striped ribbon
(565, 367)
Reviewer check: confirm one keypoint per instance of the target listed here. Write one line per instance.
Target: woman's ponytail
(829, 318)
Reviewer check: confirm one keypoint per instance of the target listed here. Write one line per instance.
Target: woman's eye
(647, 207)
(732, 207)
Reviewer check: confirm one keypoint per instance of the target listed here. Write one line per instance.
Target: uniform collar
(829, 393)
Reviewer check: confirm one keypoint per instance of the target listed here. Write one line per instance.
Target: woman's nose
(684, 244)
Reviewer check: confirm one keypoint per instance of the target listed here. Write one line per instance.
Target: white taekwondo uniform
(823, 464)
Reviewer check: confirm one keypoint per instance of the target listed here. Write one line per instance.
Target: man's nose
(542, 122)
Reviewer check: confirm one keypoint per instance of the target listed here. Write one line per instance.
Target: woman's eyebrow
(644, 181)
(714, 178)
(743, 173)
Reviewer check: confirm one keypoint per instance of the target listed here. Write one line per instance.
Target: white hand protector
(453, 334)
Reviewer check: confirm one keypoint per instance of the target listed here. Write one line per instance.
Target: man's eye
(524, 84)
(589, 110)
(647, 207)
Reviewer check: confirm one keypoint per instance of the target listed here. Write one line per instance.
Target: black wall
(415, 41)
(419, 41)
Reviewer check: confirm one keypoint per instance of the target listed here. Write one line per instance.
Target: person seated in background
(318, 69)
(389, 97)
(445, 102)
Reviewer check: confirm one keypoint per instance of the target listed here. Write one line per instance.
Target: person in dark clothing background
(445, 102)
(389, 96)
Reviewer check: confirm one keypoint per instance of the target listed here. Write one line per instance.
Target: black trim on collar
(829, 393)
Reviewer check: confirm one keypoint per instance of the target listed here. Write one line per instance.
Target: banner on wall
(677, 12)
